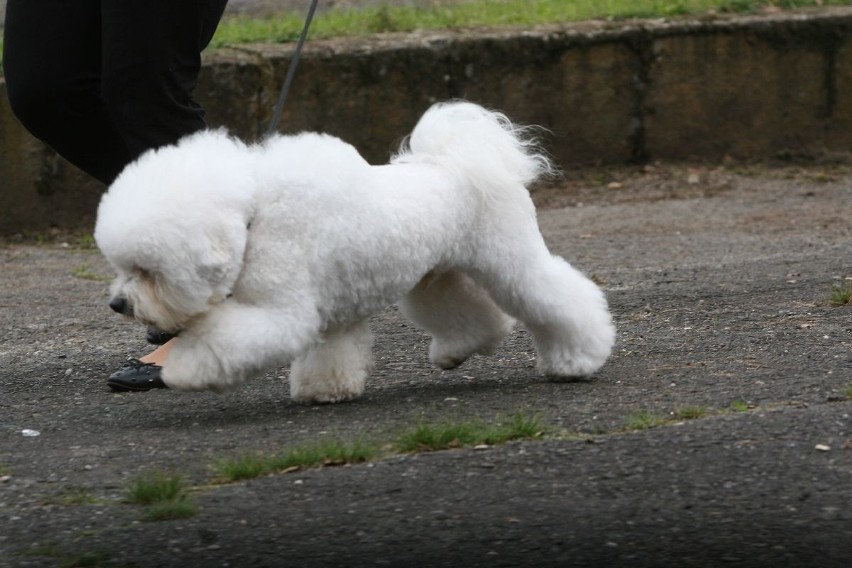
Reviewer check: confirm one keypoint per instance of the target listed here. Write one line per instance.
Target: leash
(291, 70)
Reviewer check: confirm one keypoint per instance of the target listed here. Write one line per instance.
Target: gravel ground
(719, 279)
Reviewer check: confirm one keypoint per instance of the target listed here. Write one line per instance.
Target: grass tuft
(165, 496)
(151, 488)
(323, 453)
(93, 558)
(77, 496)
(170, 510)
(247, 466)
(841, 293)
(643, 420)
(433, 437)
(326, 452)
(50, 550)
(84, 272)
(689, 413)
(739, 406)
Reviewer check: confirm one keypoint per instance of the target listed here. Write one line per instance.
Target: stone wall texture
(608, 92)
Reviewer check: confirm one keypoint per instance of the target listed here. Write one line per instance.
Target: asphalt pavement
(720, 280)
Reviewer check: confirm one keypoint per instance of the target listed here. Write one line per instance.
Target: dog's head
(174, 227)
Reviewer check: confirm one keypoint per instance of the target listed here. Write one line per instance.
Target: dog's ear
(222, 252)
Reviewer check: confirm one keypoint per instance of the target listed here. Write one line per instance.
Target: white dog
(279, 252)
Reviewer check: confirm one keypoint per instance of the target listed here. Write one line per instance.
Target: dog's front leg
(235, 342)
(192, 364)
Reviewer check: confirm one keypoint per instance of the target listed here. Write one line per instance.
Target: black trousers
(101, 81)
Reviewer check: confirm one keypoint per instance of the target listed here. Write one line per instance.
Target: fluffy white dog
(279, 252)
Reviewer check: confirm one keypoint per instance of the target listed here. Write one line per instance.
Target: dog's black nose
(119, 304)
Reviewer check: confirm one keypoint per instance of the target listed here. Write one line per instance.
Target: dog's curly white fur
(279, 252)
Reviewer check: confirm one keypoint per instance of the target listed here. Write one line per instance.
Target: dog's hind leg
(564, 310)
(335, 368)
(461, 317)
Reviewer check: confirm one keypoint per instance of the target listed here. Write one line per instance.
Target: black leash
(291, 70)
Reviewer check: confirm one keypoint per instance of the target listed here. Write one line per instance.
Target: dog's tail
(483, 147)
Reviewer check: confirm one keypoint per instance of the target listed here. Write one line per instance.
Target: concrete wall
(747, 87)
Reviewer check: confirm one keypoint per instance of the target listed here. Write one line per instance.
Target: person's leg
(152, 57)
(52, 60)
(158, 355)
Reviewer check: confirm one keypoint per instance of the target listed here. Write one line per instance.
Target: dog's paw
(324, 388)
(192, 366)
(303, 397)
(448, 363)
(569, 369)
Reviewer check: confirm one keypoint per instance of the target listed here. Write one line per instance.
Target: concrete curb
(744, 87)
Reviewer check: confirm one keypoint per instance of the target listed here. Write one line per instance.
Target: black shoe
(136, 376)
(157, 337)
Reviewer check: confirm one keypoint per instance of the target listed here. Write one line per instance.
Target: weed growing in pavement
(98, 557)
(49, 550)
(431, 437)
(739, 406)
(848, 392)
(84, 272)
(841, 294)
(150, 488)
(85, 241)
(325, 452)
(643, 420)
(165, 496)
(170, 510)
(92, 558)
(689, 413)
(247, 466)
(77, 496)
(424, 437)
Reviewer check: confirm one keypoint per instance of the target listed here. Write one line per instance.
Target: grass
(164, 496)
(689, 413)
(84, 241)
(841, 293)
(98, 557)
(644, 420)
(84, 272)
(170, 510)
(342, 22)
(847, 392)
(323, 453)
(432, 437)
(49, 550)
(339, 22)
(423, 437)
(739, 406)
(77, 496)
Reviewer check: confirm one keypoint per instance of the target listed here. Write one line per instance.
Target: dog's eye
(142, 274)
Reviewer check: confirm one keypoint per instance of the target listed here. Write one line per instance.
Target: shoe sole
(120, 387)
